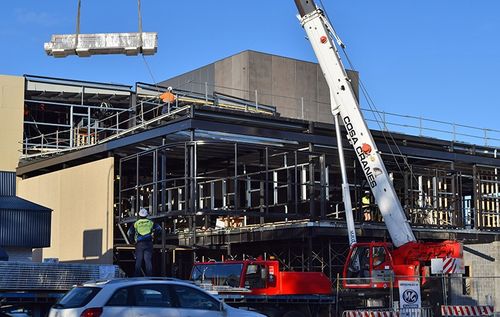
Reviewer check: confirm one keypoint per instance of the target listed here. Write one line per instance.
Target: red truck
(260, 285)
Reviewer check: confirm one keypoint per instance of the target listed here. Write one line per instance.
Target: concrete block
(85, 45)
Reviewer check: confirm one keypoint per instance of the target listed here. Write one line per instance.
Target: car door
(196, 303)
(119, 304)
(152, 300)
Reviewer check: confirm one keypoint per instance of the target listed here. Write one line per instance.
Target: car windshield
(77, 297)
(218, 274)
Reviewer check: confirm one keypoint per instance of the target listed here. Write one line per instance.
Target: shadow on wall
(92, 251)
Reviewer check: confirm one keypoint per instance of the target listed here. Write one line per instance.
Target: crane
(410, 258)
(372, 267)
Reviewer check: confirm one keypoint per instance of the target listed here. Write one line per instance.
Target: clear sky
(437, 59)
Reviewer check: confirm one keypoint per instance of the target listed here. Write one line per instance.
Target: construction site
(243, 165)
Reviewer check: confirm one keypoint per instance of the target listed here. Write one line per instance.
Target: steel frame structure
(276, 179)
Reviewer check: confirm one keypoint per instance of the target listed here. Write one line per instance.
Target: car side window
(192, 298)
(119, 298)
(153, 295)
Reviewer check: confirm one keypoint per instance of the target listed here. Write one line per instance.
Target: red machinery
(260, 285)
(369, 265)
(260, 277)
(376, 264)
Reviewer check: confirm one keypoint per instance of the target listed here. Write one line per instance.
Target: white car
(144, 297)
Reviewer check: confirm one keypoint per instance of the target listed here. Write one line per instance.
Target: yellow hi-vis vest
(365, 201)
(143, 229)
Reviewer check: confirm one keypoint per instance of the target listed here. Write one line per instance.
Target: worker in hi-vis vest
(143, 232)
(168, 98)
(366, 206)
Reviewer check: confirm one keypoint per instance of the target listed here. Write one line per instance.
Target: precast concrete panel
(194, 81)
(223, 75)
(231, 75)
(323, 105)
(306, 84)
(81, 198)
(284, 86)
(241, 75)
(11, 121)
(261, 77)
(296, 88)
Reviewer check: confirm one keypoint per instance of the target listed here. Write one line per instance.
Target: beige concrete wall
(11, 121)
(82, 219)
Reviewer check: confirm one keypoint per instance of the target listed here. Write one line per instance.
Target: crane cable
(78, 22)
(371, 103)
(379, 119)
(139, 17)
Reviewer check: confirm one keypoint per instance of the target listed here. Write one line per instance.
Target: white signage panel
(409, 298)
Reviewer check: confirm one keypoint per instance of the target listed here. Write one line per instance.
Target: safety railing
(90, 125)
(388, 312)
(301, 108)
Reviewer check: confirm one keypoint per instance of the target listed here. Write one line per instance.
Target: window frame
(171, 295)
(130, 297)
(94, 291)
(218, 306)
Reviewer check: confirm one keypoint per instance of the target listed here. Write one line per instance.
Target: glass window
(78, 297)
(152, 296)
(359, 266)
(255, 276)
(218, 274)
(194, 299)
(119, 298)
(379, 256)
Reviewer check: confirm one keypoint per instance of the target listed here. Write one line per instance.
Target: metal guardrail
(148, 110)
(21, 276)
(381, 120)
(149, 107)
(387, 312)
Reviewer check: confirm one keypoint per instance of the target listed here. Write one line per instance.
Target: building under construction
(243, 163)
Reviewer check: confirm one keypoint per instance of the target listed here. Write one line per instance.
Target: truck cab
(370, 265)
(259, 277)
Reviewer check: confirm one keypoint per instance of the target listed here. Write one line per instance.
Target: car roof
(133, 281)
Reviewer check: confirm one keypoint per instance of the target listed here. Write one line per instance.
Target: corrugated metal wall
(25, 228)
(7, 183)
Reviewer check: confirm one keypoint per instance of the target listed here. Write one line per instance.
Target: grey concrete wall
(232, 75)
(194, 80)
(296, 88)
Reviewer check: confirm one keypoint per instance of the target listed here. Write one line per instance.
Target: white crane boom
(345, 104)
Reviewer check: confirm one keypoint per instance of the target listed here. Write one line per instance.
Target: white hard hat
(169, 88)
(143, 212)
(367, 191)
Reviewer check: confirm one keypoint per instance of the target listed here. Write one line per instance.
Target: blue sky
(437, 59)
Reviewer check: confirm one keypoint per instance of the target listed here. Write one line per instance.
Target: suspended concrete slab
(85, 45)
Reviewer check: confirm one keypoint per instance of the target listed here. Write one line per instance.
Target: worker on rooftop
(168, 98)
(143, 232)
